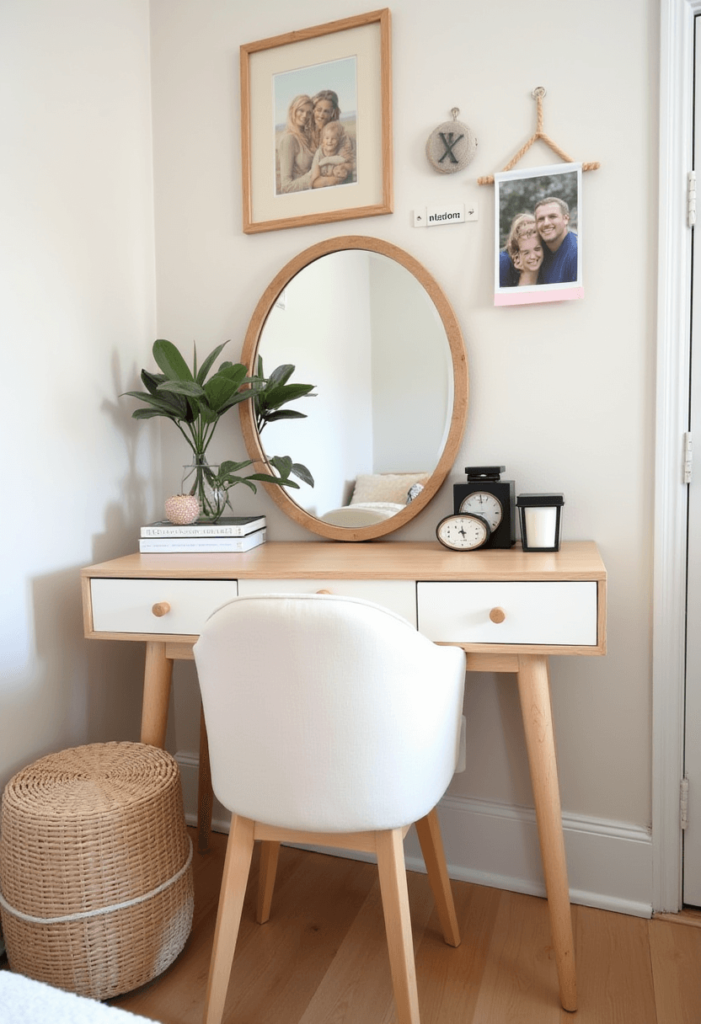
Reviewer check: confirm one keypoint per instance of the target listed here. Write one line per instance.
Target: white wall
(412, 372)
(326, 324)
(561, 393)
(76, 319)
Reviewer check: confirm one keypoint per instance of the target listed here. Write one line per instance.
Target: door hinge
(688, 457)
(684, 803)
(691, 199)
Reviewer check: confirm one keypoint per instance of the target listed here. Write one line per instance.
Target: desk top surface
(373, 560)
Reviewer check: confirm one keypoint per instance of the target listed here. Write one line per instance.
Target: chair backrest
(327, 713)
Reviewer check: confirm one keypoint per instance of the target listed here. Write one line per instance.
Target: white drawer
(126, 606)
(397, 595)
(552, 613)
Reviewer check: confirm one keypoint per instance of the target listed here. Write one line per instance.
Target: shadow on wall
(497, 763)
(115, 668)
(83, 691)
(135, 488)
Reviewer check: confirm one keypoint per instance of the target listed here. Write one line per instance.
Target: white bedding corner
(25, 1001)
(365, 513)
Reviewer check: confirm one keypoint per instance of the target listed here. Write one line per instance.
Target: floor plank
(450, 980)
(322, 957)
(676, 969)
(519, 984)
(614, 972)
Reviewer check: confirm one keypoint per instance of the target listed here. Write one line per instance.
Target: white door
(692, 746)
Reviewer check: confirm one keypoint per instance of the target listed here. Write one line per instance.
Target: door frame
(672, 421)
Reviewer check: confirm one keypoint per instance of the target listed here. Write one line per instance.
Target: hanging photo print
(538, 235)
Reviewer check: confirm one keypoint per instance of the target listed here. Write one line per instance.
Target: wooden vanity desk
(507, 609)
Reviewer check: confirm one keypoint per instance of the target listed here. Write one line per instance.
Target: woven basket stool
(96, 893)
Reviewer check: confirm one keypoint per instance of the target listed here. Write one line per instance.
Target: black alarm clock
(485, 494)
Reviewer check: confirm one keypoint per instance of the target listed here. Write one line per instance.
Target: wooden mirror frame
(249, 357)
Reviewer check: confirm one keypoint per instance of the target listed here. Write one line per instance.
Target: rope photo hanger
(538, 94)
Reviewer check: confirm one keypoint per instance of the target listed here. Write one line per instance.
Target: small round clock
(484, 504)
(463, 531)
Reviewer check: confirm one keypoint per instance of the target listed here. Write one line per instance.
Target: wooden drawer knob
(497, 615)
(161, 609)
(323, 591)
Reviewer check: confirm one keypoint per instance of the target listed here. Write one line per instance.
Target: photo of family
(538, 235)
(316, 126)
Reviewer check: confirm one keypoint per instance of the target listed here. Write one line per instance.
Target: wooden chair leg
(205, 796)
(270, 851)
(429, 833)
(239, 850)
(395, 904)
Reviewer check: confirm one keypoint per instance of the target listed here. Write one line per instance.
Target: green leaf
(303, 473)
(164, 405)
(268, 479)
(234, 467)
(285, 414)
(201, 375)
(234, 480)
(151, 380)
(219, 390)
(240, 396)
(281, 374)
(234, 371)
(280, 394)
(282, 463)
(170, 361)
(189, 388)
(207, 414)
(148, 414)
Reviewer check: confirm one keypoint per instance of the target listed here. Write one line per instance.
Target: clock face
(484, 504)
(463, 532)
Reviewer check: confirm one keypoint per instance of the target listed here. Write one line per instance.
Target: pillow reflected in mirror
(393, 487)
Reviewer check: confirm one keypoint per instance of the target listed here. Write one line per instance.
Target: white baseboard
(609, 863)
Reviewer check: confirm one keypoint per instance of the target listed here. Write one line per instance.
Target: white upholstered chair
(333, 722)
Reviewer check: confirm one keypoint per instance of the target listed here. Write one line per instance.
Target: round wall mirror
(367, 324)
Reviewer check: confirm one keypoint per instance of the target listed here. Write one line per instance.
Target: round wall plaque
(451, 146)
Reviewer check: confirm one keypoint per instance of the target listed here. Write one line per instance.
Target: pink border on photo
(513, 298)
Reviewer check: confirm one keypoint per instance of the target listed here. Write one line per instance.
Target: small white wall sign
(436, 216)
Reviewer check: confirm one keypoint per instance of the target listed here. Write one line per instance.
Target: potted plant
(195, 402)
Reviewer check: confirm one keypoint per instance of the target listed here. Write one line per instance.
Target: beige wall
(562, 394)
(76, 320)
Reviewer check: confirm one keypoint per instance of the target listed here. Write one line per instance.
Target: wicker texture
(86, 830)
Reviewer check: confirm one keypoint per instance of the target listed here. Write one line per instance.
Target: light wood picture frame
(292, 87)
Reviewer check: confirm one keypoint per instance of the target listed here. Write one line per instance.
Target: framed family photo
(316, 124)
(538, 235)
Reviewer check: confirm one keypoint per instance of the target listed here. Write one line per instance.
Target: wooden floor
(321, 959)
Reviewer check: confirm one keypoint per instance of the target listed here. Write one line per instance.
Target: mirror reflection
(365, 332)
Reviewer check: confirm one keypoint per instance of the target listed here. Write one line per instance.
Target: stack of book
(229, 534)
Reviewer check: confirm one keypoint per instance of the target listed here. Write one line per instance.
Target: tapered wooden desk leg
(534, 692)
(157, 679)
(205, 796)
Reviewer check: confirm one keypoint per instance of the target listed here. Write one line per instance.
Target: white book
(186, 545)
(227, 526)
